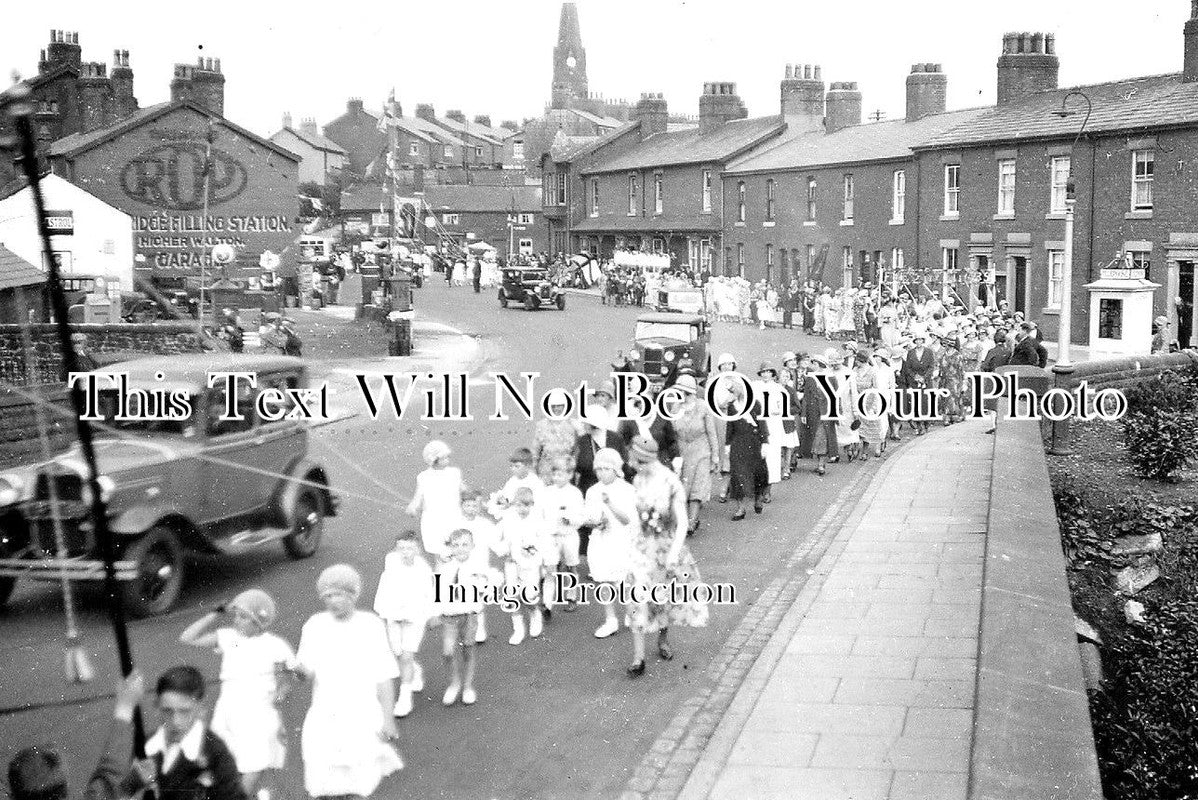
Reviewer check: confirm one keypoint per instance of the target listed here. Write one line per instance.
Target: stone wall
(104, 342)
(1119, 373)
(18, 424)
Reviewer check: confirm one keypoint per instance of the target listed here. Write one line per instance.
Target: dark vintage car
(531, 287)
(664, 339)
(194, 485)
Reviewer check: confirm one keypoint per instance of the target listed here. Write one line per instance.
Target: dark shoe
(723, 498)
(636, 670)
(757, 508)
(663, 650)
(738, 516)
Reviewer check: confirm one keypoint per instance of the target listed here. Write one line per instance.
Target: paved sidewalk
(866, 689)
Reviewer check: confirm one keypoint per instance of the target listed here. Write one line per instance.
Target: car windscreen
(159, 427)
(535, 276)
(681, 332)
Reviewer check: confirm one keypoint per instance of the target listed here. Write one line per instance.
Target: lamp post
(1063, 368)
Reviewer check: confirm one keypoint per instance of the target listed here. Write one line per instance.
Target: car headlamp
(669, 355)
(665, 370)
(633, 355)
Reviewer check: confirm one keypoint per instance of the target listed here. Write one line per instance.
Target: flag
(387, 118)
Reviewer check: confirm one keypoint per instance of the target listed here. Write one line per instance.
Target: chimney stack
(844, 106)
(1189, 72)
(181, 87)
(927, 91)
(95, 96)
(64, 49)
(482, 119)
(425, 111)
(354, 105)
(803, 97)
(1028, 64)
(287, 120)
(208, 85)
(308, 126)
(653, 114)
(456, 115)
(124, 103)
(718, 104)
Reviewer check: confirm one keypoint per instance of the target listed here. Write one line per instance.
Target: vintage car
(530, 286)
(663, 339)
(198, 484)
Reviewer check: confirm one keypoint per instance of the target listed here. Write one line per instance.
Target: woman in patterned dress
(699, 445)
(951, 378)
(872, 431)
(554, 439)
(659, 555)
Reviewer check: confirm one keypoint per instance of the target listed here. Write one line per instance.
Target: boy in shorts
(462, 571)
(562, 505)
(486, 542)
(404, 601)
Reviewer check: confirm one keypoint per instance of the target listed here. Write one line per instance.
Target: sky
(486, 57)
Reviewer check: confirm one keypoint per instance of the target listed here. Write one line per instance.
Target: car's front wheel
(502, 299)
(561, 302)
(307, 526)
(7, 585)
(159, 579)
(530, 302)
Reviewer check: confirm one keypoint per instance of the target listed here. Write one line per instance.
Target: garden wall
(1122, 372)
(1032, 731)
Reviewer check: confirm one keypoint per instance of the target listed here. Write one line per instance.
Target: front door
(1185, 308)
(1019, 301)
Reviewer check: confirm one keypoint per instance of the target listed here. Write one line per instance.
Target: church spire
(569, 60)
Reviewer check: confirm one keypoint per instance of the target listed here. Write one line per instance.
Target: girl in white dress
(438, 498)
(246, 716)
(611, 509)
(349, 733)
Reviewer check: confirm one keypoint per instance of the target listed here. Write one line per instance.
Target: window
(896, 259)
(518, 151)
(948, 262)
(526, 247)
(1060, 185)
(810, 256)
(740, 201)
(632, 195)
(846, 266)
(769, 200)
(448, 151)
(740, 259)
(1056, 275)
(783, 271)
(706, 191)
(848, 198)
(1141, 180)
(1006, 187)
(769, 262)
(561, 188)
(728, 261)
(1140, 259)
(413, 149)
(526, 219)
(450, 219)
(1110, 319)
(594, 197)
(478, 152)
(659, 198)
(109, 248)
(952, 189)
(898, 196)
(811, 199)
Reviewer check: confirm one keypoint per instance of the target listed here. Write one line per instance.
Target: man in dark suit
(916, 375)
(1028, 350)
(998, 357)
(190, 761)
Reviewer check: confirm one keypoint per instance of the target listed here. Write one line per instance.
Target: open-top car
(531, 287)
(197, 484)
(665, 339)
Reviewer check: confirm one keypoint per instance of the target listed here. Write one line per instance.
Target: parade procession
(476, 434)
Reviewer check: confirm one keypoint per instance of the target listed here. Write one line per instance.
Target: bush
(1161, 442)
(1173, 389)
(1146, 718)
(1080, 539)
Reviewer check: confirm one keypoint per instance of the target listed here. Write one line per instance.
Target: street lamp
(1063, 368)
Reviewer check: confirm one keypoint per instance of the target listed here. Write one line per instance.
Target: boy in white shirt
(460, 571)
(524, 545)
(522, 477)
(562, 506)
(404, 601)
(486, 542)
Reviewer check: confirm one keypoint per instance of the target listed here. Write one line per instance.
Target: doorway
(1186, 301)
(1019, 289)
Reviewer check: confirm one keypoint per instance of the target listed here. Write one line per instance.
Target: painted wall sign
(171, 176)
(60, 223)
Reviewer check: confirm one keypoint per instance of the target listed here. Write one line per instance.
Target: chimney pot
(1037, 43)
(790, 67)
(216, 64)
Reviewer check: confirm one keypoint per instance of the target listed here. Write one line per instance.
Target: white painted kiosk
(1121, 313)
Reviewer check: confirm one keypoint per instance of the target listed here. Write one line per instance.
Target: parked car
(194, 485)
(664, 339)
(531, 287)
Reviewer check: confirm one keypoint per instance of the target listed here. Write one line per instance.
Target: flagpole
(204, 222)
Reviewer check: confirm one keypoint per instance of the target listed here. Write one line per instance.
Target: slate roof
(315, 140)
(692, 147)
(78, 143)
(405, 125)
(874, 141)
(564, 147)
(433, 130)
(1154, 101)
(475, 129)
(605, 122)
(16, 271)
(498, 199)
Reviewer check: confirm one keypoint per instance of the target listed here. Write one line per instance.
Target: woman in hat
(916, 379)
(349, 733)
(660, 556)
(613, 518)
(746, 438)
(723, 396)
(438, 497)
(816, 405)
(951, 378)
(699, 446)
(253, 661)
(848, 434)
(871, 430)
(773, 406)
(1160, 335)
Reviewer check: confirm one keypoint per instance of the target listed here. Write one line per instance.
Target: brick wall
(156, 339)
(18, 425)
